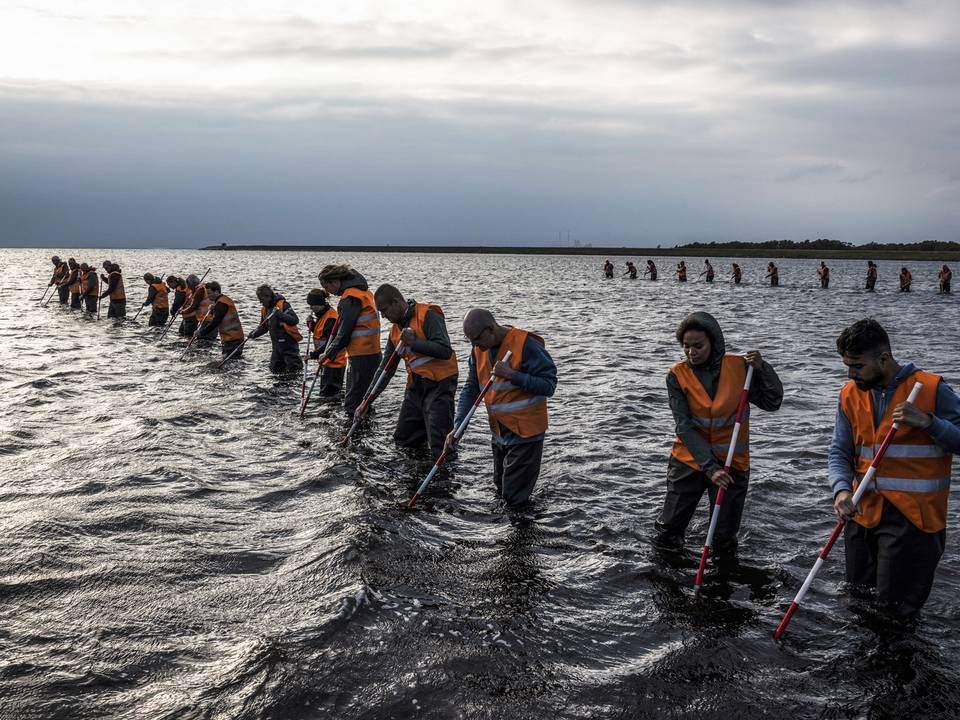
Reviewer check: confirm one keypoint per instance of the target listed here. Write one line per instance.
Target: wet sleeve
(840, 456)
(349, 311)
(178, 298)
(219, 311)
(945, 428)
(687, 431)
(766, 390)
(469, 392)
(288, 315)
(437, 341)
(538, 372)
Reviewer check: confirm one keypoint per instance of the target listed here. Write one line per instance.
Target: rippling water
(177, 543)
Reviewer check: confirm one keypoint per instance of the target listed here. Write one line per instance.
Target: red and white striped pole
(378, 380)
(731, 451)
(861, 489)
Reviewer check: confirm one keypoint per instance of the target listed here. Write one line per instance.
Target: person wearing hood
(157, 297)
(426, 414)
(89, 286)
(358, 331)
(118, 297)
(278, 317)
(223, 316)
(60, 272)
(72, 281)
(704, 392)
(322, 325)
(898, 530)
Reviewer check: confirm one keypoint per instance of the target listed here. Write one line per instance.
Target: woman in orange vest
(90, 286)
(115, 291)
(897, 535)
(426, 414)
(223, 316)
(704, 392)
(284, 334)
(322, 325)
(158, 297)
(516, 403)
(358, 331)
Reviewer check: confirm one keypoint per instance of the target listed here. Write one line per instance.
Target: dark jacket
(287, 315)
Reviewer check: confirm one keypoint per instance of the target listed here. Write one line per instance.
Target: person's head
(192, 281)
(707, 262)
(945, 268)
(332, 277)
(149, 279)
(822, 264)
(650, 263)
(73, 264)
(55, 259)
(695, 340)
(265, 295)
(84, 267)
(390, 303)
(904, 270)
(106, 265)
(173, 282)
(770, 266)
(869, 263)
(480, 328)
(864, 348)
(213, 290)
(317, 300)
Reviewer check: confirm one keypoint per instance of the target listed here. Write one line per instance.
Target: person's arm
(686, 429)
(261, 328)
(321, 342)
(288, 315)
(468, 394)
(538, 373)
(436, 342)
(766, 390)
(944, 427)
(151, 296)
(840, 456)
(348, 310)
(216, 316)
(178, 298)
(112, 281)
(195, 299)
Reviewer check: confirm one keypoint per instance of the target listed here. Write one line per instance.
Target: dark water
(178, 544)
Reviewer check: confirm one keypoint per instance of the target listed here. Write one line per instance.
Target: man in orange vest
(426, 414)
(223, 316)
(285, 337)
(516, 403)
(158, 298)
(118, 296)
(72, 281)
(90, 286)
(322, 325)
(60, 272)
(358, 331)
(897, 535)
(704, 392)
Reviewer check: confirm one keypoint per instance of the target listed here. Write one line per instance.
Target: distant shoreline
(847, 254)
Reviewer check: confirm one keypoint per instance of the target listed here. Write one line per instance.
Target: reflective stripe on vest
(340, 361)
(914, 474)
(425, 366)
(365, 337)
(521, 412)
(714, 418)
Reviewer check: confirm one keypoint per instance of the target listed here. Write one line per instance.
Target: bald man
(516, 403)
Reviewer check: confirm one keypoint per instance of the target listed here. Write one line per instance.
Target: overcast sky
(612, 122)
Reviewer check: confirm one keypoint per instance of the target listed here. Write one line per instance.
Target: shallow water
(179, 544)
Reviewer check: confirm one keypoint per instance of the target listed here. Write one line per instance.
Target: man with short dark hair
(897, 535)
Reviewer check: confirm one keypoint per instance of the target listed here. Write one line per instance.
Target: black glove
(315, 355)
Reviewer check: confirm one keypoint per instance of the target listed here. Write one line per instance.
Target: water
(177, 543)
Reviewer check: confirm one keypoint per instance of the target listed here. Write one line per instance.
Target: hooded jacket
(348, 311)
(766, 392)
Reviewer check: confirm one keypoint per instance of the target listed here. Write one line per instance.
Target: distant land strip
(850, 252)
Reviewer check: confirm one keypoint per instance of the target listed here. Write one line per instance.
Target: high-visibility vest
(160, 301)
(73, 277)
(340, 361)
(521, 412)
(292, 330)
(204, 304)
(431, 368)
(85, 287)
(185, 313)
(365, 338)
(914, 474)
(230, 327)
(715, 417)
(60, 273)
(117, 293)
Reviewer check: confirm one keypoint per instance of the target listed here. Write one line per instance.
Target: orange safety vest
(75, 286)
(715, 417)
(429, 367)
(205, 304)
(160, 301)
(187, 298)
(365, 339)
(118, 293)
(521, 412)
(914, 475)
(90, 291)
(230, 327)
(60, 272)
(340, 361)
(292, 330)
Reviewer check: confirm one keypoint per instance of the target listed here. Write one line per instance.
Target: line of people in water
(896, 535)
(944, 274)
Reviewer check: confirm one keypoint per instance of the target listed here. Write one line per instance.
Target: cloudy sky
(612, 122)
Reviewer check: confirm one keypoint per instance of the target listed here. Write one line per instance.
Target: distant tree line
(825, 244)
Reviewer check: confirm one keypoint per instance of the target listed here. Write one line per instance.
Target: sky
(533, 122)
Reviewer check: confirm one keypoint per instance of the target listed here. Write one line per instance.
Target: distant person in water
(72, 281)
(906, 279)
(871, 275)
(708, 271)
(681, 271)
(608, 269)
(652, 269)
(60, 272)
(282, 324)
(631, 271)
(157, 297)
(516, 403)
(118, 296)
(944, 277)
(704, 392)
(824, 272)
(774, 274)
(224, 318)
(737, 275)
